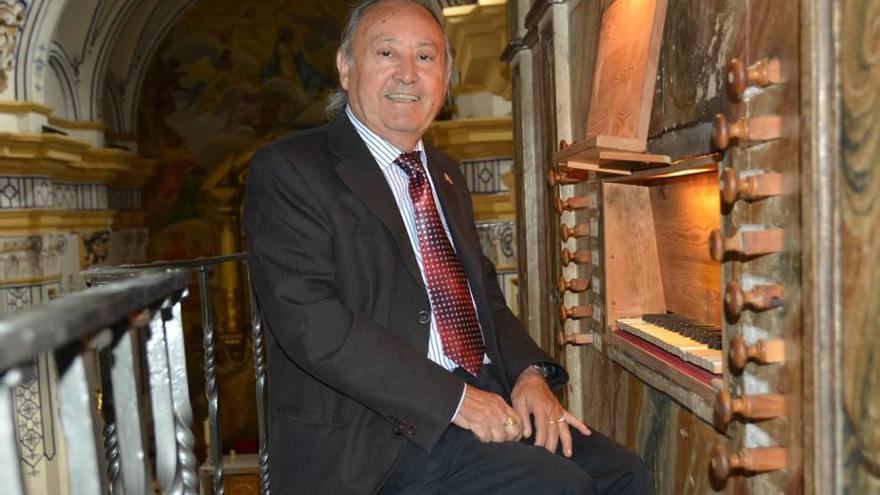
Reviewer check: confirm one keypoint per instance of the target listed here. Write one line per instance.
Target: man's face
(396, 82)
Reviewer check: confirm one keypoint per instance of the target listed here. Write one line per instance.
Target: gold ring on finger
(510, 421)
(560, 419)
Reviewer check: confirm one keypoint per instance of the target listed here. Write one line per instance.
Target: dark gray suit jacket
(347, 311)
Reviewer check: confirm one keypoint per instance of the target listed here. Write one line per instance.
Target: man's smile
(403, 97)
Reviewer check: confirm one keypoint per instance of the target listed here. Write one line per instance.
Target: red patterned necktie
(447, 284)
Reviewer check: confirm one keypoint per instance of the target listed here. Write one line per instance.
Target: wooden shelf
(609, 155)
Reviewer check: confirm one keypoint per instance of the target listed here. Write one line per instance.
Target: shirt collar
(384, 152)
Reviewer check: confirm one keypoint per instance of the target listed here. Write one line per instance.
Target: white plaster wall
(56, 94)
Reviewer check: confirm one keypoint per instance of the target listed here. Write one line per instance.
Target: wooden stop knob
(724, 132)
(762, 73)
(573, 203)
(574, 312)
(734, 187)
(563, 144)
(768, 351)
(756, 460)
(746, 243)
(579, 230)
(558, 177)
(759, 298)
(564, 339)
(580, 257)
(573, 285)
(749, 407)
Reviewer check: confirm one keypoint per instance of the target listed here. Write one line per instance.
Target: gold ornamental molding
(102, 165)
(479, 34)
(66, 159)
(16, 106)
(86, 125)
(472, 139)
(43, 221)
(41, 147)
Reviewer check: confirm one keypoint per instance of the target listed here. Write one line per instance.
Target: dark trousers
(460, 464)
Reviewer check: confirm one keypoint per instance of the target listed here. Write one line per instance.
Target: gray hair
(339, 97)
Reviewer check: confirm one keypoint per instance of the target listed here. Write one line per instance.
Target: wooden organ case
(676, 206)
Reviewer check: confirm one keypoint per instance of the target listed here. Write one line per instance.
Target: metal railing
(203, 268)
(134, 329)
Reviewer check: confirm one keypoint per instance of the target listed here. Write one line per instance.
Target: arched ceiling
(94, 49)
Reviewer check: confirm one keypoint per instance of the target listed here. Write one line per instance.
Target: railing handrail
(78, 315)
(202, 261)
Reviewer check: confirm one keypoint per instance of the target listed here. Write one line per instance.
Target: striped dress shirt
(385, 153)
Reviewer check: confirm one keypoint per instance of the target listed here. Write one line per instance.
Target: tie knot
(411, 163)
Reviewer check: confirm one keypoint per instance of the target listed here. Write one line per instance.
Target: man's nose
(406, 71)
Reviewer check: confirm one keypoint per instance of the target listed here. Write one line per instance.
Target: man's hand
(488, 417)
(532, 396)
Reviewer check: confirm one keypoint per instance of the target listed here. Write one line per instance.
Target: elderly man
(394, 364)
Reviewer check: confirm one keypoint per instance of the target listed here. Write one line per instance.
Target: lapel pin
(447, 178)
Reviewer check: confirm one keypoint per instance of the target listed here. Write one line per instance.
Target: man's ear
(342, 68)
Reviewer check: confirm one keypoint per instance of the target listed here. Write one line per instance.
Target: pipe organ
(683, 183)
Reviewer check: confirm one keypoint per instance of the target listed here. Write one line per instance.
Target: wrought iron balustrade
(134, 328)
(202, 268)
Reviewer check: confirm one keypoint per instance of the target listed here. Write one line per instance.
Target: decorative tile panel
(484, 176)
(75, 196)
(22, 192)
(498, 240)
(25, 192)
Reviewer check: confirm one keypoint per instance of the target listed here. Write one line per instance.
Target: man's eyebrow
(391, 39)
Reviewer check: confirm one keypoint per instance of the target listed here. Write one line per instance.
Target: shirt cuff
(460, 402)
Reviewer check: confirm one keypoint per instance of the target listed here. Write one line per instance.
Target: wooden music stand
(623, 92)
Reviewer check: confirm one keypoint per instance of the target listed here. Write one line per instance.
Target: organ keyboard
(694, 342)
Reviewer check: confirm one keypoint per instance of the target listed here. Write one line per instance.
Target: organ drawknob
(573, 285)
(746, 461)
(746, 242)
(579, 230)
(570, 204)
(762, 73)
(769, 351)
(573, 338)
(750, 188)
(748, 407)
(574, 312)
(758, 298)
(743, 131)
(581, 257)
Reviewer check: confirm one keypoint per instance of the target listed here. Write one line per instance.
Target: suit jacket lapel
(359, 171)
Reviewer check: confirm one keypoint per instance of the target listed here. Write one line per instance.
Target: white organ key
(675, 343)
